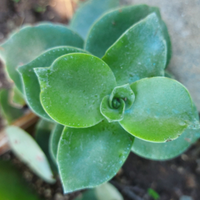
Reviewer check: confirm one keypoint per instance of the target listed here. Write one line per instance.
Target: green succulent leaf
(30, 80)
(167, 150)
(12, 185)
(113, 106)
(9, 112)
(17, 97)
(28, 151)
(115, 23)
(30, 41)
(110, 113)
(73, 87)
(140, 52)
(54, 140)
(91, 156)
(161, 111)
(105, 191)
(123, 92)
(88, 12)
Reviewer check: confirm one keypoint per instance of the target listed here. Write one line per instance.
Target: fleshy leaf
(17, 97)
(91, 156)
(73, 87)
(27, 43)
(9, 112)
(110, 113)
(30, 80)
(140, 52)
(161, 111)
(167, 150)
(54, 140)
(123, 92)
(170, 149)
(115, 23)
(28, 151)
(88, 12)
(105, 191)
(12, 184)
(113, 106)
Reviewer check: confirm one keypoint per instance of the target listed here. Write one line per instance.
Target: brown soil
(170, 179)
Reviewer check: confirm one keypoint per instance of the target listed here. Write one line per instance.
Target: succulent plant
(106, 95)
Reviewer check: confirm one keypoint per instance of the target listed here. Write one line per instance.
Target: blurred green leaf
(12, 185)
(88, 12)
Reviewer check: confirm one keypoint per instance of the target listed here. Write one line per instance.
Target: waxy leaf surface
(167, 150)
(30, 80)
(161, 111)
(12, 184)
(170, 149)
(54, 140)
(73, 87)
(105, 191)
(140, 52)
(88, 12)
(91, 156)
(28, 151)
(30, 41)
(9, 112)
(113, 24)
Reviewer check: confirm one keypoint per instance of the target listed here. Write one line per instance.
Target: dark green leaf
(30, 41)
(73, 87)
(140, 52)
(91, 156)
(161, 111)
(114, 23)
(88, 12)
(54, 140)
(9, 112)
(30, 80)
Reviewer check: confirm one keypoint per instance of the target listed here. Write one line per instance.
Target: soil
(170, 179)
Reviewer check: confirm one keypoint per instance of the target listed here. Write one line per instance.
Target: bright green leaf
(9, 112)
(30, 41)
(161, 111)
(73, 87)
(140, 52)
(12, 185)
(113, 24)
(88, 12)
(91, 156)
(28, 151)
(152, 193)
(54, 140)
(30, 80)
(167, 150)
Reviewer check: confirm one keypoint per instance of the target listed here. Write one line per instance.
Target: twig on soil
(126, 190)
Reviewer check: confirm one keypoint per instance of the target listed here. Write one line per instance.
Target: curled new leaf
(88, 157)
(30, 41)
(30, 81)
(73, 87)
(113, 106)
(161, 111)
